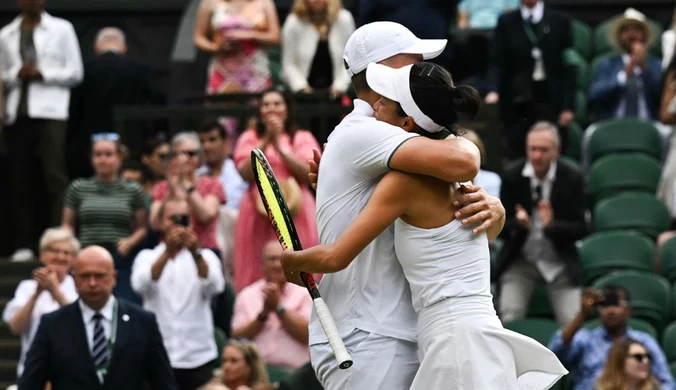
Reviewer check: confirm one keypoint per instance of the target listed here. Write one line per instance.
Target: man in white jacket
(41, 63)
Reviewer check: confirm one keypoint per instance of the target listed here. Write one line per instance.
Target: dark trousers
(35, 146)
(193, 378)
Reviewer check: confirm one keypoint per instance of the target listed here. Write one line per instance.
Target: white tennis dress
(462, 342)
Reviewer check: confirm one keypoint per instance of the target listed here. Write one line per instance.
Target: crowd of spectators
(185, 229)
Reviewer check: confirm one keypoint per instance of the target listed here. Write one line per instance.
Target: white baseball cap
(395, 85)
(378, 41)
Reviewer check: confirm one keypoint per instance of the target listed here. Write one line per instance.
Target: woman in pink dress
(288, 150)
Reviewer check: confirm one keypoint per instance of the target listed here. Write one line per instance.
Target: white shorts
(380, 363)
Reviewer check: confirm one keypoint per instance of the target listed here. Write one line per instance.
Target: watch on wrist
(262, 318)
(280, 310)
(189, 190)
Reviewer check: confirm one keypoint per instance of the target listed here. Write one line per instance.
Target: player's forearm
(460, 163)
(320, 259)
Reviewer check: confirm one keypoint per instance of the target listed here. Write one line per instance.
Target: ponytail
(466, 100)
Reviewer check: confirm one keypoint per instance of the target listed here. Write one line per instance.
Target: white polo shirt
(371, 294)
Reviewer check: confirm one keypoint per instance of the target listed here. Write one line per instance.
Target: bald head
(110, 39)
(95, 276)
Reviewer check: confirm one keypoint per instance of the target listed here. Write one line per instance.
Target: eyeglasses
(188, 153)
(163, 156)
(59, 251)
(641, 357)
(105, 137)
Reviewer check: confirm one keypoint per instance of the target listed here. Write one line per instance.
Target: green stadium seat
(634, 323)
(582, 38)
(601, 43)
(650, 294)
(221, 340)
(602, 253)
(278, 374)
(669, 342)
(580, 107)
(616, 173)
(539, 329)
(631, 211)
(668, 259)
(574, 147)
(597, 59)
(583, 70)
(624, 136)
(303, 378)
(539, 306)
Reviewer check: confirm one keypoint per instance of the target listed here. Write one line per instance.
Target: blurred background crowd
(129, 125)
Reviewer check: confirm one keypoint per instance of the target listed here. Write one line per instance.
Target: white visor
(394, 85)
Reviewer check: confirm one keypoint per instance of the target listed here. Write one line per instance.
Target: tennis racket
(280, 216)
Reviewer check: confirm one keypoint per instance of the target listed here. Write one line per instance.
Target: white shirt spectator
(44, 304)
(668, 45)
(58, 59)
(299, 42)
(181, 300)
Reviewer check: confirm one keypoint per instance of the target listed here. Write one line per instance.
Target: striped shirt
(105, 211)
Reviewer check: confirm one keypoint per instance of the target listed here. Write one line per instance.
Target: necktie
(538, 193)
(100, 349)
(631, 95)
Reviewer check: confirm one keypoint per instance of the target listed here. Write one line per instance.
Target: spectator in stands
(38, 75)
(177, 280)
(529, 72)
(489, 181)
(50, 288)
(313, 39)
(71, 348)
(628, 367)
(586, 350)
(669, 43)
(133, 170)
(274, 314)
(155, 156)
(204, 194)
(545, 205)
(218, 163)
(288, 149)
(243, 368)
(107, 210)
(236, 32)
(482, 14)
(427, 19)
(628, 85)
(111, 79)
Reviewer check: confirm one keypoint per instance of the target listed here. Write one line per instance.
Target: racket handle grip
(331, 331)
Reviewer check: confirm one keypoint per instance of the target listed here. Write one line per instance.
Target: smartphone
(181, 219)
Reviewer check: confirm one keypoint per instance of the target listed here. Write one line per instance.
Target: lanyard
(531, 34)
(101, 372)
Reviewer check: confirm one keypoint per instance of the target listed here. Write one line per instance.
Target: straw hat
(630, 16)
(292, 194)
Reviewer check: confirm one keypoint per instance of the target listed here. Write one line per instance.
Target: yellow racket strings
(273, 206)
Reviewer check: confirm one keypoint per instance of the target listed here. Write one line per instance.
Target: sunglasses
(189, 153)
(641, 357)
(105, 137)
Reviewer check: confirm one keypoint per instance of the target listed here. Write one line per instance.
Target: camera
(181, 219)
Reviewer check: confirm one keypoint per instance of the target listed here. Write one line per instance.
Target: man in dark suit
(98, 342)
(628, 85)
(544, 208)
(110, 79)
(530, 73)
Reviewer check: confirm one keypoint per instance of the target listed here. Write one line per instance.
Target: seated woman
(243, 368)
(460, 338)
(50, 288)
(627, 368)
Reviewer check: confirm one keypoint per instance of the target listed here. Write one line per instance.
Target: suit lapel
(81, 342)
(121, 337)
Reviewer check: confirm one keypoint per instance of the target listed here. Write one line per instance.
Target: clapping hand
(272, 294)
(46, 279)
(522, 216)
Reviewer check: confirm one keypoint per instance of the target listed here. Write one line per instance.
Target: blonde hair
(187, 136)
(259, 375)
(472, 136)
(121, 150)
(613, 376)
(59, 234)
(333, 8)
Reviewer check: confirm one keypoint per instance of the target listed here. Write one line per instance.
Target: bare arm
(205, 208)
(463, 19)
(140, 229)
(158, 266)
(22, 319)
(296, 326)
(389, 201)
(454, 160)
(270, 36)
(249, 330)
(299, 169)
(69, 219)
(202, 28)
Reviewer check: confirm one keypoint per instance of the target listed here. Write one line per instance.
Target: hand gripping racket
(280, 216)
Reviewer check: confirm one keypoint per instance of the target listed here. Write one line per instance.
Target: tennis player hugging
(462, 344)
